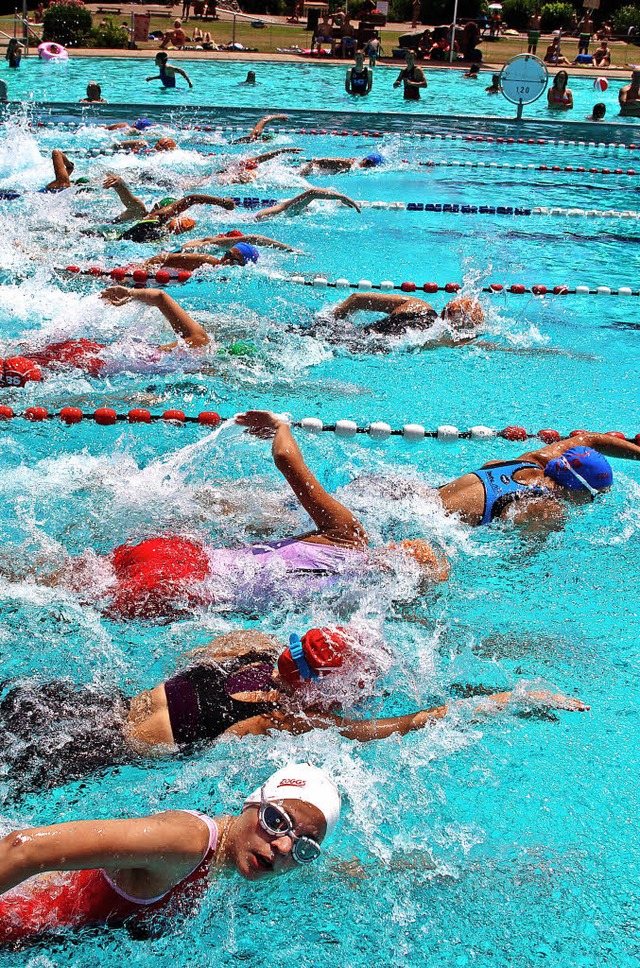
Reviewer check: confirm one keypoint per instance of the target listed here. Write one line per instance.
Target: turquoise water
(297, 85)
(500, 842)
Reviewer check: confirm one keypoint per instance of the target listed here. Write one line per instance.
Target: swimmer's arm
(329, 164)
(257, 129)
(61, 169)
(163, 848)
(156, 77)
(225, 242)
(369, 301)
(178, 318)
(606, 445)
(268, 155)
(421, 82)
(536, 514)
(178, 70)
(398, 80)
(134, 207)
(199, 199)
(300, 202)
(330, 517)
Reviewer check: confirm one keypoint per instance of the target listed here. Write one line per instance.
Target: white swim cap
(301, 781)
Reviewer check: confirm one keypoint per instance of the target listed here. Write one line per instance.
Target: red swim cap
(234, 234)
(81, 354)
(156, 577)
(180, 224)
(18, 370)
(324, 650)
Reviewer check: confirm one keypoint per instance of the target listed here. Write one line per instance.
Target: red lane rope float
(107, 417)
(137, 273)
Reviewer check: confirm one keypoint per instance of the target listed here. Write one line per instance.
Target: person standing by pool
(411, 77)
(126, 869)
(559, 96)
(533, 29)
(585, 28)
(14, 53)
(168, 71)
(629, 96)
(359, 78)
(373, 49)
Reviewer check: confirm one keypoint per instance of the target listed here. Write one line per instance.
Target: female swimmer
(539, 482)
(239, 684)
(93, 357)
(164, 576)
(126, 870)
(559, 96)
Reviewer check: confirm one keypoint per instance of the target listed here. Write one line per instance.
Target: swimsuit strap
(501, 488)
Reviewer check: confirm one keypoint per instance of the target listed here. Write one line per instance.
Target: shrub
(558, 16)
(518, 12)
(111, 35)
(433, 11)
(626, 17)
(68, 23)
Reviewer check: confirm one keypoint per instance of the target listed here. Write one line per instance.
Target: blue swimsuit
(500, 488)
(167, 79)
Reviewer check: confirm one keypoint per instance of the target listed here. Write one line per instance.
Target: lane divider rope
(343, 132)
(163, 277)
(378, 430)
(484, 165)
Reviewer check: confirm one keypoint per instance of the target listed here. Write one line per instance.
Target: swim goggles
(592, 491)
(298, 656)
(276, 822)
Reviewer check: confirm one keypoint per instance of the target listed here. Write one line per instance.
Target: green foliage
(517, 13)
(111, 35)
(433, 11)
(67, 23)
(626, 17)
(558, 16)
(276, 8)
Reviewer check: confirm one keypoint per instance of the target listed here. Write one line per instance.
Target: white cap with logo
(301, 781)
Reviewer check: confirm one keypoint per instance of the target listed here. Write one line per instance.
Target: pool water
(500, 841)
(285, 85)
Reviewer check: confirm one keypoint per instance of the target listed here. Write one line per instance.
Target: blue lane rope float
(377, 430)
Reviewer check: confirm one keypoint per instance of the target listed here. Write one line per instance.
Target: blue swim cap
(142, 124)
(249, 251)
(373, 160)
(580, 462)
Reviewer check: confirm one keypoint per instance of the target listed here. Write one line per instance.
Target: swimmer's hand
(116, 295)
(261, 423)
(543, 697)
(228, 203)
(111, 180)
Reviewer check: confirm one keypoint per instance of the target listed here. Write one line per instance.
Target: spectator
(176, 37)
(348, 43)
(554, 54)
(586, 29)
(373, 49)
(411, 77)
(415, 13)
(186, 9)
(323, 34)
(534, 31)
(602, 55)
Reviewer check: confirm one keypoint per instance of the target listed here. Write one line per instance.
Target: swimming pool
(284, 85)
(501, 842)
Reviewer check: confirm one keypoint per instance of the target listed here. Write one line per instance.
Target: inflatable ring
(52, 52)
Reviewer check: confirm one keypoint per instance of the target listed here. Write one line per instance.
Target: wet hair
(94, 91)
(559, 75)
(599, 111)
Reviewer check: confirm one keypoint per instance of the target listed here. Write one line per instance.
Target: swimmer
(294, 206)
(411, 77)
(540, 483)
(133, 127)
(94, 94)
(598, 113)
(165, 217)
(243, 683)
(4, 94)
(228, 239)
(473, 72)
(629, 96)
(89, 356)
(464, 316)
(319, 165)
(250, 78)
(494, 87)
(359, 78)
(242, 171)
(128, 869)
(257, 132)
(168, 71)
(161, 577)
(141, 147)
(559, 96)
(238, 254)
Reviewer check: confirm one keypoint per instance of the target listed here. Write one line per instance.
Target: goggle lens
(275, 821)
(305, 850)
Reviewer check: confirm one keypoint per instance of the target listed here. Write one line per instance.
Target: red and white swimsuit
(51, 902)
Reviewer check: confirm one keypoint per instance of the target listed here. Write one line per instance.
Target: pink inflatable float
(52, 52)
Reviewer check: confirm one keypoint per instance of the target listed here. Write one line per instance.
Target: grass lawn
(278, 35)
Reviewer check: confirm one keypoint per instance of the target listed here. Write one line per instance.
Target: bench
(116, 10)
